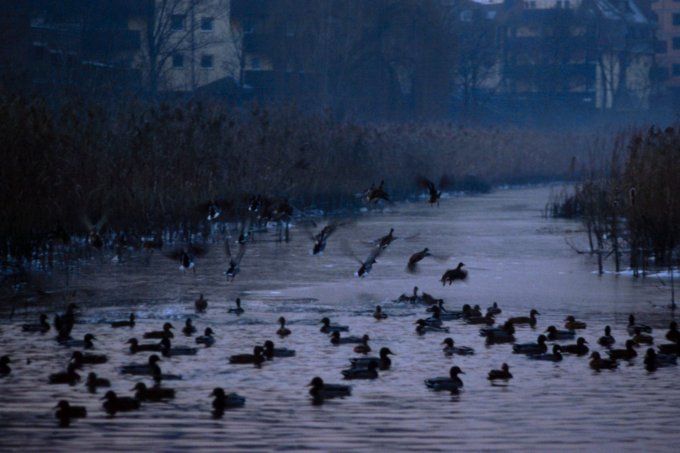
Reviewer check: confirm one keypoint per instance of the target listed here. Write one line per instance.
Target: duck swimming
(142, 369)
(378, 313)
(189, 328)
(223, 401)
(201, 304)
(155, 393)
(606, 340)
(625, 354)
(4, 365)
(283, 331)
(502, 374)
(653, 360)
(579, 348)
(451, 348)
(42, 327)
(207, 338)
(673, 334)
(170, 351)
(337, 339)
(85, 343)
(531, 319)
(632, 326)
(368, 372)
(384, 362)
(422, 328)
(452, 275)
(130, 322)
(238, 310)
(641, 338)
(386, 240)
(329, 328)
(256, 358)
(69, 377)
(494, 309)
(93, 382)
(503, 334)
(570, 323)
(321, 391)
(114, 403)
(555, 335)
(532, 348)
(597, 363)
(79, 359)
(451, 383)
(65, 412)
(555, 356)
(135, 347)
(160, 334)
(363, 348)
(270, 351)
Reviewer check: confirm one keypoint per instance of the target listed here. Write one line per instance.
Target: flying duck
(452, 275)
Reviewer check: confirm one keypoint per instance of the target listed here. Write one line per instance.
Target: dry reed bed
(148, 167)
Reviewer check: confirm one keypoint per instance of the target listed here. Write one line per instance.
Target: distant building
(668, 46)
(186, 44)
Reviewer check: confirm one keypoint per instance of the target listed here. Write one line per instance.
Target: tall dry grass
(146, 167)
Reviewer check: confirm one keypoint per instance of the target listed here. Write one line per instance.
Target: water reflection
(514, 257)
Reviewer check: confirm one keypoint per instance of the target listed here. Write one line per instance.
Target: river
(514, 256)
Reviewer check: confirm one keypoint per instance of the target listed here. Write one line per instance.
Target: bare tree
(172, 26)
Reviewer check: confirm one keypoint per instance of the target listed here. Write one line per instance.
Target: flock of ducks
(366, 367)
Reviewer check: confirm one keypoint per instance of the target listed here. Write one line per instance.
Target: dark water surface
(514, 256)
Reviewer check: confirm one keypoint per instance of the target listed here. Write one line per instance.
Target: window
(676, 42)
(254, 63)
(206, 61)
(466, 16)
(676, 18)
(207, 24)
(177, 60)
(676, 70)
(177, 22)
